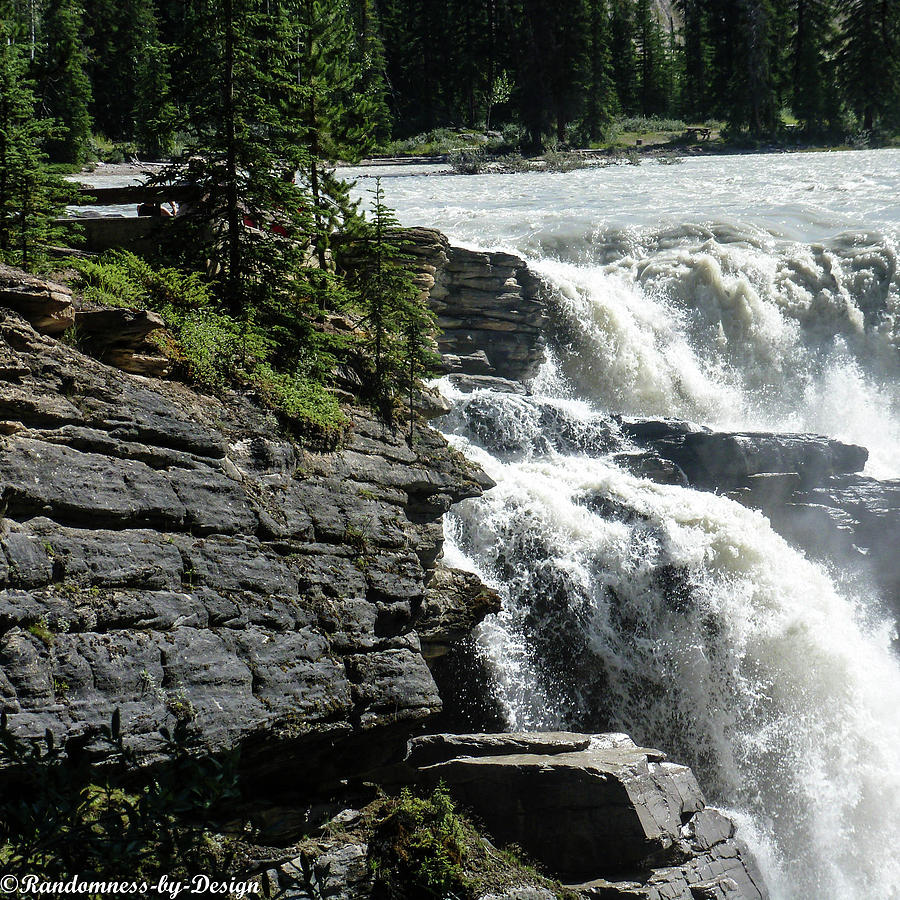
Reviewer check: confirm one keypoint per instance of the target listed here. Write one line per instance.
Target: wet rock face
(594, 810)
(809, 486)
(172, 555)
(726, 461)
(455, 602)
(489, 306)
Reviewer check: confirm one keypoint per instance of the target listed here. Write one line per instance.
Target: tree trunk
(490, 71)
(231, 186)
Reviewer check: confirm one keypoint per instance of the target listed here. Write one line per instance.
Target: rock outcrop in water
(809, 486)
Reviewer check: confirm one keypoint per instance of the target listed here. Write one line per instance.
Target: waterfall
(681, 618)
(742, 293)
(677, 616)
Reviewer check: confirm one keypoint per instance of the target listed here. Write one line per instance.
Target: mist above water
(756, 292)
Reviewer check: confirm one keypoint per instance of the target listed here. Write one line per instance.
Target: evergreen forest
(254, 101)
(137, 73)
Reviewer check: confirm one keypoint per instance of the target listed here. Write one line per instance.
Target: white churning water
(753, 292)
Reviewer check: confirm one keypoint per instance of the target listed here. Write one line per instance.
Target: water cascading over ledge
(636, 599)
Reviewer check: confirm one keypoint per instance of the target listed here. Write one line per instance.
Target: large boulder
(809, 486)
(594, 810)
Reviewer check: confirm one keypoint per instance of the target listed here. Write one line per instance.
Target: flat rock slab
(47, 306)
(434, 748)
(594, 805)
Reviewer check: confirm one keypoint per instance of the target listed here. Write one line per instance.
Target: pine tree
(19, 18)
(370, 53)
(496, 83)
(401, 326)
(154, 112)
(624, 58)
(252, 220)
(552, 46)
(755, 85)
(599, 101)
(108, 44)
(331, 109)
(30, 198)
(696, 101)
(812, 92)
(743, 36)
(869, 58)
(651, 59)
(65, 91)
(128, 67)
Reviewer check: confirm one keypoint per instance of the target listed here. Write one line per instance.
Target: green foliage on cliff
(418, 848)
(302, 400)
(211, 348)
(121, 278)
(422, 846)
(64, 816)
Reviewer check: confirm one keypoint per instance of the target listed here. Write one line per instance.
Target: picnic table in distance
(704, 134)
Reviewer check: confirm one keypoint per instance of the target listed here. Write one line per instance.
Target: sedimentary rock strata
(173, 555)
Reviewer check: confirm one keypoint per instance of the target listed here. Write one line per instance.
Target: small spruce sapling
(401, 327)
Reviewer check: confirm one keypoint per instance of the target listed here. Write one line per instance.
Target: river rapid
(741, 292)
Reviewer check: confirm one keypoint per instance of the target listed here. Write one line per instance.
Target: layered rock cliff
(172, 554)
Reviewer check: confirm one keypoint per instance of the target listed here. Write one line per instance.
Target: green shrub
(562, 161)
(468, 162)
(417, 851)
(120, 278)
(211, 348)
(304, 401)
(107, 284)
(63, 816)
(645, 124)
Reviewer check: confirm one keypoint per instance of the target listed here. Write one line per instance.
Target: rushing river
(754, 292)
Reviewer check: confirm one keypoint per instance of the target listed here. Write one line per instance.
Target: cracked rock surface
(174, 555)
